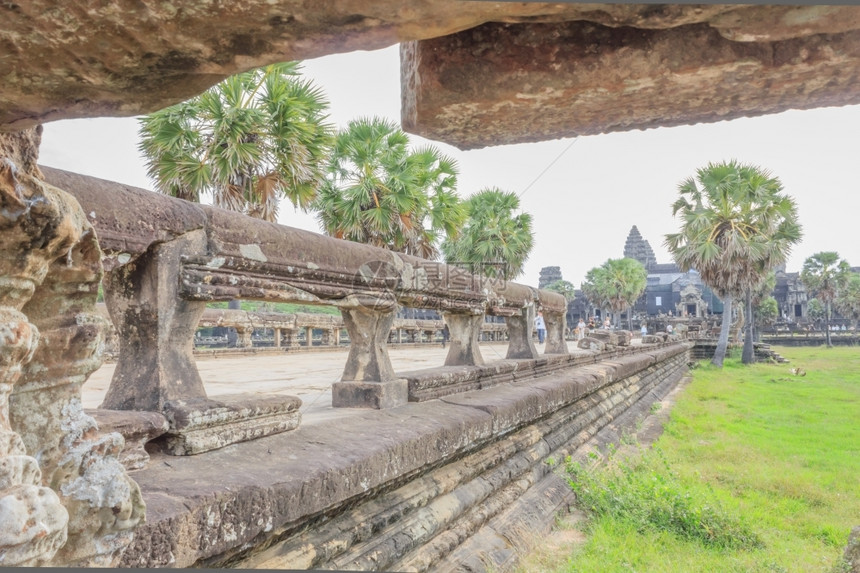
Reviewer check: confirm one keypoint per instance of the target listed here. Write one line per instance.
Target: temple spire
(638, 248)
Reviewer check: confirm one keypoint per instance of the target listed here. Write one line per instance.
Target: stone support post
(50, 341)
(277, 337)
(520, 328)
(327, 337)
(245, 339)
(368, 379)
(555, 325)
(155, 327)
(290, 338)
(309, 336)
(464, 330)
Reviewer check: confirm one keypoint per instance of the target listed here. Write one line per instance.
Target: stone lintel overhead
(513, 83)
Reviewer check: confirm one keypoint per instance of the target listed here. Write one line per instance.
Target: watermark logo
(383, 282)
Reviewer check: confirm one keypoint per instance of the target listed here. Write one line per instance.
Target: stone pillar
(309, 336)
(555, 326)
(327, 337)
(291, 338)
(399, 335)
(51, 340)
(464, 349)
(155, 327)
(277, 337)
(520, 328)
(244, 339)
(368, 379)
(337, 337)
(34, 520)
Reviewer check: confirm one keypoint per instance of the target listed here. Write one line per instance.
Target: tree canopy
(562, 287)
(247, 142)
(494, 240)
(381, 192)
(616, 284)
(736, 225)
(847, 301)
(825, 274)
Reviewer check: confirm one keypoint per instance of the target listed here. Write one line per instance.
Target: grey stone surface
(136, 428)
(851, 555)
(555, 327)
(401, 488)
(72, 502)
(199, 425)
(155, 328)
(591, 78)
(623, 337)
(520, 326)
(377, 395)
(464, 330)
(591, 343)
(368, 359)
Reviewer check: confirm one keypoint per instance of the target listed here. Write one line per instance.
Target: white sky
(584, 205)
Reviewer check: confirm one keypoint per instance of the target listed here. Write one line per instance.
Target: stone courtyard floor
(308, 375)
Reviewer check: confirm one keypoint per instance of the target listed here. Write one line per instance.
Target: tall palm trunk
(827, 324)
(723, 340)
(748, 356)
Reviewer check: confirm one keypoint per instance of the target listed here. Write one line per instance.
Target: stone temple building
(669, 290)
(549, 275)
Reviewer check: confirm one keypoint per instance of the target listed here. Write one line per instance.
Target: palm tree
(848, 300)
(562, 287)
(493, 241)
(825, 274)
(616, 284)
(380, 193)
(736, 225)
(247, 142)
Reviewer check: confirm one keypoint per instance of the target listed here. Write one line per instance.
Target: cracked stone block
(199, 425)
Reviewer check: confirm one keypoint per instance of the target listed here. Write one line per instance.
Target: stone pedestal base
(137, 428)
(202, 424)
(379, 395)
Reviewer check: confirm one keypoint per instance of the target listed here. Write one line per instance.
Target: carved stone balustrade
(166, 258)
(65, 496)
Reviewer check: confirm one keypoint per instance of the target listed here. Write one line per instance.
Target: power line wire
(551, 163)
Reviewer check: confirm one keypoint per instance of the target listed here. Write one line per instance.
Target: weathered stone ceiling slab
(85, 58)
(500, 83)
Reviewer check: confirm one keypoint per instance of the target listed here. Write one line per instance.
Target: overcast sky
(584, 205)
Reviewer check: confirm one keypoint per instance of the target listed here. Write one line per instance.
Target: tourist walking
(540, 325)
(644, 329)
(581, 327)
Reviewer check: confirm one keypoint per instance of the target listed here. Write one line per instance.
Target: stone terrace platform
(463, 482)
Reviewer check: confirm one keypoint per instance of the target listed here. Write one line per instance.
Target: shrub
(647, 494)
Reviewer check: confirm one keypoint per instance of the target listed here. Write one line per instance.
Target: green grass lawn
(283, 307)
(758, 471)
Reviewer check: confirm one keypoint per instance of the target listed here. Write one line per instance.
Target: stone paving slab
(308, 375)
